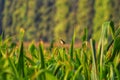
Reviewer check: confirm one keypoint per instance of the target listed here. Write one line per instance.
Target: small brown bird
(62, 41)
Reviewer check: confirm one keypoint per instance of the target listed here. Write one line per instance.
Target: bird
(62, 41)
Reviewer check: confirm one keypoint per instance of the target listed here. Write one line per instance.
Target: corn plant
(91, 61)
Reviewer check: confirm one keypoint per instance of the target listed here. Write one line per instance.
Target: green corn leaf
(32, 47)
(104, 43)
(66, 74)
(33, 50)
(42, 76)
(30, 60)
(93, 50)
(50, 76)
(116, 45)
(72, 47)
(112, 75)
(116, 48)
(77, 72)
(94, 67)
(117, 32)
(41, 56)
(116, 66)
(14, 69)
(51, 45)
(20, 66)
(105, 29)
(109, 45)
(57, 67)
(105, 34)
(59, 55)
(85, 35)
(62, 54)
(111, 25)
(77, 59)
(38, 75)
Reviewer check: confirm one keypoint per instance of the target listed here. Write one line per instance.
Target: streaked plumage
(62, 41)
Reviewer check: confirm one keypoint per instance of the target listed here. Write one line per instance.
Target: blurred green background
(56, 19)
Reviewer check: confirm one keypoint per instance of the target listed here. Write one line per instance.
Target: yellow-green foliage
(88, 62)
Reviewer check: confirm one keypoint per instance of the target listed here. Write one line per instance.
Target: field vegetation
(91, 61)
